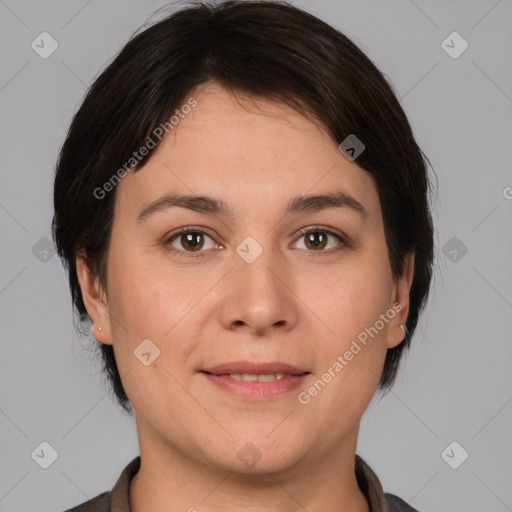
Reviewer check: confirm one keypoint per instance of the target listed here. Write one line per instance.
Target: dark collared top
(118, 500)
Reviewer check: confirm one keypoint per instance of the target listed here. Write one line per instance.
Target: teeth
(248, 377)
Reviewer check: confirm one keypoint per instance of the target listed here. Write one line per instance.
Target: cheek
(148, 303)
(351, 359)
(349, 297)
(152, 300)
(352, 351)
(150, 295)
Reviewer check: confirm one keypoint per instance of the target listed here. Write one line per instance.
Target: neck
(172, 478)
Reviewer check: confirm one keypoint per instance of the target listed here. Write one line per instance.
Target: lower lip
(256, 389)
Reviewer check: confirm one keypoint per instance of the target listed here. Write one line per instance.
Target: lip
(256, 390)
(254, 368)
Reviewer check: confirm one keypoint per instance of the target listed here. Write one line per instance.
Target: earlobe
(95, 301)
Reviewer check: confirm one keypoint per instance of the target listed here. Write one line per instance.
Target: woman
(243, 212)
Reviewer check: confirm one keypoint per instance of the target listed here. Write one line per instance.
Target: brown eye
(190, 241)
(316, 240)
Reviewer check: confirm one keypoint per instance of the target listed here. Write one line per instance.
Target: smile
(250, 377)
(255, 386)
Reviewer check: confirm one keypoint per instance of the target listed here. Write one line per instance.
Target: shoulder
(100, 503)
(397, 504)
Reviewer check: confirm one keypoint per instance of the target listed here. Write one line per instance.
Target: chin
(258, 455)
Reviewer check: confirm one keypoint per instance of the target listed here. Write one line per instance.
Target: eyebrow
(205, 204)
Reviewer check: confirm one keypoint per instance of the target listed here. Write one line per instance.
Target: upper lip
(254, 368)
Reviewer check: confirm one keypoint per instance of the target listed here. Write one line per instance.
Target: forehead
(249, 152)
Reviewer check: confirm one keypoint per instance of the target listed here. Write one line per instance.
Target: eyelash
(302, 232)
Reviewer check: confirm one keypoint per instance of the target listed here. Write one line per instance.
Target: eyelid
(326, 229)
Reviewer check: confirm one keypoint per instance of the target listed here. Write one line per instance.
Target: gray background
(456, 383)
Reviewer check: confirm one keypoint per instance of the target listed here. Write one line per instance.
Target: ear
(400, 301)
(95, 300)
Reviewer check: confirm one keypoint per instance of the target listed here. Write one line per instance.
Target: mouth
(251, 377)
(257, 381)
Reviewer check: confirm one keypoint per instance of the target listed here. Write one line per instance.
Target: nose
(258, 297)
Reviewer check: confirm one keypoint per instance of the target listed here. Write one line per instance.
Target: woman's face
(270, 279)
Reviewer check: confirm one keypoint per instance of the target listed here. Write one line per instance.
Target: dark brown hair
(268, 49)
